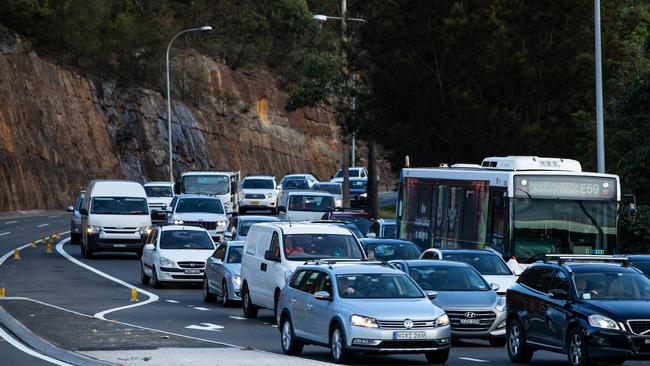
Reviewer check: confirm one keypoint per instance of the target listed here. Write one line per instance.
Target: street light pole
(600, 130)
(205, 28)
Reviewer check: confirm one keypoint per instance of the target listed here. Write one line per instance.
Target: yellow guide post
(134, 294)
(2, 292)
(33, 243)
(16, 254)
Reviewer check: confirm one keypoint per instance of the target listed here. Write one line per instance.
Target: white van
(114, 217)
(274, 250)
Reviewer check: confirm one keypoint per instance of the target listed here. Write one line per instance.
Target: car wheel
(75, 239)
(577, 352)
(207, 295)
(338, 348)
(439, 357)
(250, 310)
(290, 346)
(498, 342)
(144, 279)
(155, 282)
(517, 350)
(224, 294)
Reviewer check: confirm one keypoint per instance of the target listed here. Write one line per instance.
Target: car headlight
(164, 262)
(287, 276)
(338, 203)
(145, 230)
(236, 280)
(600, 321)
(178, 222)
(500, 304)
(90, 229)
(364, 195)
(221, 224)
(442, 320)
(363, 321)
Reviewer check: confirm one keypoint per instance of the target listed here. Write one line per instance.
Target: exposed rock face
(59, 130)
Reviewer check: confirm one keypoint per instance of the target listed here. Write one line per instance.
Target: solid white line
(102, 314)
(471, 359)
(172, 301)
(8, 232)
(42, 225)
(11, 222)
(53, 216)
(237, 317)
(202, 309)
(29, 351)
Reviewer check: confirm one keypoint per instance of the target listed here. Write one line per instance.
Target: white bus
(219, 184)
(523, 207)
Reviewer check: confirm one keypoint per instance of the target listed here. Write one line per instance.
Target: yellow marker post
(16, 254)
(2, 292)
(33, 243)
(58, 235)
(49, 248)
(134, 294)
(42, 239)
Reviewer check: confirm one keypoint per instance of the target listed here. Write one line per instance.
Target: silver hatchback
(369, 308)
(222, 274)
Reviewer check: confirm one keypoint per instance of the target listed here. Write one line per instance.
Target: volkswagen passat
(367, 308)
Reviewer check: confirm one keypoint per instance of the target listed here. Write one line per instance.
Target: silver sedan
(222, 269)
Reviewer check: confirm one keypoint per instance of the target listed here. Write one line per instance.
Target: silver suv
(353, 307)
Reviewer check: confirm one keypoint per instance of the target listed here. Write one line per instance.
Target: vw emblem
(408, 324)
(470, 315)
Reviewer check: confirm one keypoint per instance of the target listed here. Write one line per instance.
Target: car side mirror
(282, 208)
(168, 209)
(69, 209)
(228, 235)
(323, 295)
(558, 294)
(83, 211)
(270, 255)
(431, 295)
(149, 247)
(495, 286)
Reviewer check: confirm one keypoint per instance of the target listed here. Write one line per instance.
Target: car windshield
(612, 285)
(298, 202)
(354, 173)
(245, 225)
(250, 183)
(389, 231)
(377, 286)
(234, 254)
(207, 205)
(119, 206)
(644, 266)
(205, 184)
(363, 223)
(159, 191)
(301, 247)
(185, 239)
(329, 188)
(448, 278)
(358, 184)
(295, 184)
(485, 264)
(390, 251)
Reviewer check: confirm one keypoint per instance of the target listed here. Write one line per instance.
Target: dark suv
(591, 311)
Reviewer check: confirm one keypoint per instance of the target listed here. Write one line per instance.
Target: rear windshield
(206, 205)
(119, 206)
(363, 223)
(250, 183)
(311, 203)
(301, 247)
(185, 239)
(353, 173)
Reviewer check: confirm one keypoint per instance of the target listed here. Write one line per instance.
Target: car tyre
(144, 279)
(577, 352)
(250, 310)
(290, 345)
(338, 347)
(498, 342)
(517, 350)
(207, 295)
(224, 295)
(155, 282)
(438, 357)
(75, 238)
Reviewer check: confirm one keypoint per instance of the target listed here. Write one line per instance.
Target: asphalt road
(56, 280)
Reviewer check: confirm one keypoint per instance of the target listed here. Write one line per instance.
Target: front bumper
(604, 345)
(116, 243)
(378, 340)
(487, 329)
(257, 203)
(180, 275)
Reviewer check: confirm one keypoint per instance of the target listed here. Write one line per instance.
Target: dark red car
(362, 219)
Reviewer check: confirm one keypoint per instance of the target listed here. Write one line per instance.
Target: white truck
(223, 185)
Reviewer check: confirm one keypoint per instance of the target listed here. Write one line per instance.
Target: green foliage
(321, 79)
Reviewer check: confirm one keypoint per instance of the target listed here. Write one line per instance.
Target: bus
(523, 207)
(223, 185)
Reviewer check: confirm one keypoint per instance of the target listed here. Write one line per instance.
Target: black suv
(593, 312)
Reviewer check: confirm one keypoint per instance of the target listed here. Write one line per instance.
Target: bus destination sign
(531, 186)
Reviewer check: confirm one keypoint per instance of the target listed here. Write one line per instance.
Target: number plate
(647, 341)
(192, 271)
(470, 321)
(409, 335)
(255, 203)
(119, 245)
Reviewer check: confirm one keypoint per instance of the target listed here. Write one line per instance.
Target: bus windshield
(563, 226)
(206, 184)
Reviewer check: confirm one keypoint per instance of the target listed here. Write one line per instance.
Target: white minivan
(274, 250)
(114, 217)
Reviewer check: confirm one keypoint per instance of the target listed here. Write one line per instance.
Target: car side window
(297, 278)
(560, 282)
(151, 239)
(233, 224)
(538, 279)
(324, 284)
(79, 202)
(275, 244)
(220, 252)
(310, 281)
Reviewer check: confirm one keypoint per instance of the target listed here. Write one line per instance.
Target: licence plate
(470, 321)
(647, 341)
(192, 271)
(409, 335)
(255, 203)
(119, 245)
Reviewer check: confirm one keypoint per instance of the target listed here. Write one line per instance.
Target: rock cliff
(59, 129)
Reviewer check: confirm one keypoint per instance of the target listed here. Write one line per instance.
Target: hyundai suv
(591, 311)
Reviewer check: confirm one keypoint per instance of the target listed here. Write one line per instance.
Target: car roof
(309, 193)
(328, 184)
(257, 218)
(434, 262)
(638, 257)
(259, 177)
(351, 213)
(385, 240)
(353, 267)
(387, 221)
(586, 267)
(182, 196)
(181, 227)
(235, 243)
(467, 251)
(158, 183)
(306, 228)
(300, 175)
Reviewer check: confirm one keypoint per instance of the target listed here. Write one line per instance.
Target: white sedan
(175, 254)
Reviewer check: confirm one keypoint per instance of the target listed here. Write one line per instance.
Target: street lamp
(600, 130)
(205, 28)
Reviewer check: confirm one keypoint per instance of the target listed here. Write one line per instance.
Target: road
(60, 279)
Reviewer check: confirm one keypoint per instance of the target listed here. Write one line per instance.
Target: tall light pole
(600, 130)
(205, 28)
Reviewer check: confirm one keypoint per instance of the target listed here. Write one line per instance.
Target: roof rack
(563, 258)
(330, 262)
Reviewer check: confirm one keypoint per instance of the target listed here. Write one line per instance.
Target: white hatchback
(175, 254)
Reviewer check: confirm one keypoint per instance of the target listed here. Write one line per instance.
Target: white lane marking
(172, 301)
(202, 309)
(472, 359)
(42, 225)
(53, 216)
(237, 317)
(11, 252)
(206, 326)
(8, 232)
(102, 314)
(11, 222)
(29, 351)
